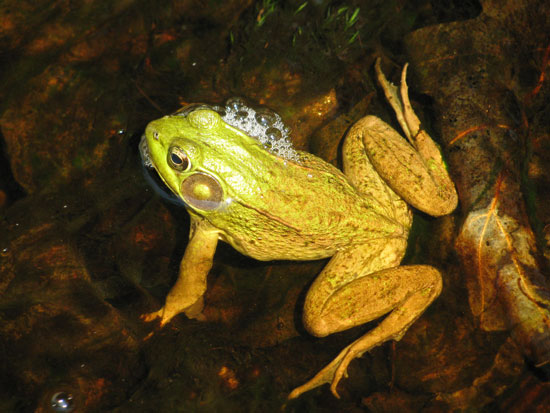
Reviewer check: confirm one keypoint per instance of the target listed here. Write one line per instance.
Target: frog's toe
(161, 314)
(329, 374)
(148, 317)
(324, 376)
(341, 371)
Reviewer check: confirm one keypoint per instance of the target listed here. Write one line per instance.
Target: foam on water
(260, 123)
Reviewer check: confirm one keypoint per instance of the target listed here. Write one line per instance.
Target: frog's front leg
(187, 294)
(346, 294)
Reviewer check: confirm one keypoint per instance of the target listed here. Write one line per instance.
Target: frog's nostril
(150, 130)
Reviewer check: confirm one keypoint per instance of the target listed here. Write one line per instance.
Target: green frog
(272, 203)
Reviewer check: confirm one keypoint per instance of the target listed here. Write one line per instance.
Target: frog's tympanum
(244, 185)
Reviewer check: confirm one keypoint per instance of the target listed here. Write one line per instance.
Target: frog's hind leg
(361, 172)
(412, 167)
(339, 299)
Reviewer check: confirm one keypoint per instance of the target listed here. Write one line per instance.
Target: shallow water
(88, 245)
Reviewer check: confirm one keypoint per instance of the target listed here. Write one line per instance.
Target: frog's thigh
(422, 181)
(361, 173)
(338, 301)
(330, 306)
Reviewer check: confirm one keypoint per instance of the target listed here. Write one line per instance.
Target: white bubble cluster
(144, 152)
(260, 123)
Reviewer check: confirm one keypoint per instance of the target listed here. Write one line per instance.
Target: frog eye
(178, 159)
(202, 191)
(186, 110)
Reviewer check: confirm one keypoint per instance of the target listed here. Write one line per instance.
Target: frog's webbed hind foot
(327, 375)
(393, 327)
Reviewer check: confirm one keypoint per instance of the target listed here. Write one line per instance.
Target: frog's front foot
(167, 312)
(148, 317)
(161, 314)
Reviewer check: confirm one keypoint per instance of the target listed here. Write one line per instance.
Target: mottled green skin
(274, 208)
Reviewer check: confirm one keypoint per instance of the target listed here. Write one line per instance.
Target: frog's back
(310, 212)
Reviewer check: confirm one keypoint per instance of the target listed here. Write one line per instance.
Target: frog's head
(206, 161)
